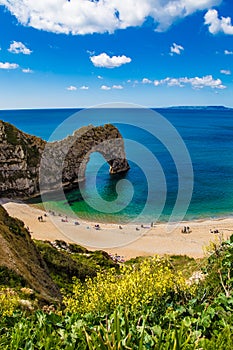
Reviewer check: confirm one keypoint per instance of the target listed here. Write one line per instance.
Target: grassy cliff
(41, 265)
(20, 257)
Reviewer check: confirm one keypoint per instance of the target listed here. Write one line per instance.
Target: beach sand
(130, 241)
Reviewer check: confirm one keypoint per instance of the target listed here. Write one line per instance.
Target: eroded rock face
(28, 164)
(20, 156)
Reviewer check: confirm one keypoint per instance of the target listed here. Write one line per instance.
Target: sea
(179, 158)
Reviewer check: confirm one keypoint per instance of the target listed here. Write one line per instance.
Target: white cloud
(27, 70)
(105, 87)
(103, 60)
(100, 77)
(217, 24)
(71, 88)
(118, 87)
(86, 17)
(196, 82)
(146, 81)
(84, 87)
(206, 81)
(226, 52)
(177, 49)
(18, 47)
(8, 65)
(156, 82)
(225, 71)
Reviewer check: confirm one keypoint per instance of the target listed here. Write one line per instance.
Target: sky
(81, 53)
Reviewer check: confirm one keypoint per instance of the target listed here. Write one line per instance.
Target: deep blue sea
(207, 134)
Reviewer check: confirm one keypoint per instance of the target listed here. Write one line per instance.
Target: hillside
(42, 265)
(19, 256)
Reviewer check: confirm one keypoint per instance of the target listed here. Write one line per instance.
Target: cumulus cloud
(86, 17)
(71, 88)
(146, 81)
(18, 47)
(103, 60)
(105, 87)
(27, 70)
(99, 77)
(225, 71)
(84, 87)
(196, 82)
(227, 52)
(177, 49)
(117, 87)
(7, 65)
(217, 24)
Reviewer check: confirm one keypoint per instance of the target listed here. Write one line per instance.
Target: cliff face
(28, 163)
(18, 253)
(19, 161)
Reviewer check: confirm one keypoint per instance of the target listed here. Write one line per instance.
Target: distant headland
(211, 108)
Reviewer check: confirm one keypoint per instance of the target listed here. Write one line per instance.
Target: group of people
(64, 220)
(214, 231)
(185, 229)
(41, 219)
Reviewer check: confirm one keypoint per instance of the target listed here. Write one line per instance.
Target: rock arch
(28, 164)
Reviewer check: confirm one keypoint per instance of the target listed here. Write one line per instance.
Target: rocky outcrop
(20, 156)
(28, 164)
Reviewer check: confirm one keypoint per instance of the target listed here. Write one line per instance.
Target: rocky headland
(29, 164)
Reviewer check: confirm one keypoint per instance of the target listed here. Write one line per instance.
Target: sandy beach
(130, 240)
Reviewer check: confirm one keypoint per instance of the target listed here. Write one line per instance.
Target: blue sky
(156, 53)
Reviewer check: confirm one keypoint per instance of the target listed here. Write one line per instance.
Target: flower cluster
(132, 287)
(9, 301)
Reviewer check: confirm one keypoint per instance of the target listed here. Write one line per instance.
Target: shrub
(134, 287)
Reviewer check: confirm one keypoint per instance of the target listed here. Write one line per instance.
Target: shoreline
(129, 241)
(39, 206)
(183, 222)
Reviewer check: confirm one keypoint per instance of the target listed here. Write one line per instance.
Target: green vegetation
(148, 303)
(12, 134)
(9, 278)
(21, 262)
(65, 261)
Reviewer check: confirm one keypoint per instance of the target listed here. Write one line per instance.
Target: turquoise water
(208, 135)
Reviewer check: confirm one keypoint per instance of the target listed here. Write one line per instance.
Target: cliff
(19, 254)
(20, 156)
(42, 265)
(29, 164)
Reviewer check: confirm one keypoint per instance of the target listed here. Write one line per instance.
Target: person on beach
(186, 229)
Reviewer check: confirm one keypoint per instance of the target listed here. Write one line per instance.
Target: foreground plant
(135, 287)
